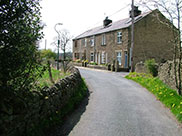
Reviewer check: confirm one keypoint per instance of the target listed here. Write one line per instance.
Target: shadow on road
(71, 119)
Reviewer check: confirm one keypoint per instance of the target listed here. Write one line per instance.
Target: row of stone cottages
(110, 42)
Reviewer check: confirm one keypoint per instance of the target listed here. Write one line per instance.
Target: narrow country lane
(119, 107)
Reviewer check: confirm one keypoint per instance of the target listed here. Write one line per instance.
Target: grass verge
(56, 74)
(166, 95)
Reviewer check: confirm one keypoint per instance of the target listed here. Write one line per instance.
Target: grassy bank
(166, 95)
(56, 75)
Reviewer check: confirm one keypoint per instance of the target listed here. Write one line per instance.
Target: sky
(77, 16)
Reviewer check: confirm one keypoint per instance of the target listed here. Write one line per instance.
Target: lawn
(56, 74)
(165, 94)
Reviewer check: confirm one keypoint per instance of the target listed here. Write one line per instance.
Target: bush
(93, 63)
(86, 61)
(78, 61)
(151, 67)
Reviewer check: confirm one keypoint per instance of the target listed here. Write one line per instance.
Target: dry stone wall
(166, 74)
(40, 106)
(140, 68)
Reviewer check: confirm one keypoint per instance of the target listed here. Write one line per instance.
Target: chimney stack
(137, 12)
(106, 22)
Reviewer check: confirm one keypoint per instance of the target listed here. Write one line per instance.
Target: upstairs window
(119, 37)
(92, 41)
(103, 39)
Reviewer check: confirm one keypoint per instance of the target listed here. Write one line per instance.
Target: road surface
(118, 107)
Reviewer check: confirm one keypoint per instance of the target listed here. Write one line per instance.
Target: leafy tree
(48, 54)
(20, 29)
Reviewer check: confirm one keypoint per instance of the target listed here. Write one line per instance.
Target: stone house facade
(111, 42)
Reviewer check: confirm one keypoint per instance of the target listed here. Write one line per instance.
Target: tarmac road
(118, 107)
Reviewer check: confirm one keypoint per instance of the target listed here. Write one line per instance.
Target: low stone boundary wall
(140, 68)
(40, 106)
(166, 74)
(97, 67)
(102, 67)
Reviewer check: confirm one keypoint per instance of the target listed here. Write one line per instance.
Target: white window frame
(103, 39)
(119, 37)
(92, 41)
(119, 57)
(91, 55)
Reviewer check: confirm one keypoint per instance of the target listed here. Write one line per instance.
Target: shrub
(86, 61)
(93, 63)
(78, 61)
(151, 67)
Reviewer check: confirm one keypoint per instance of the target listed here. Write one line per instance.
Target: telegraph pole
(132, 35)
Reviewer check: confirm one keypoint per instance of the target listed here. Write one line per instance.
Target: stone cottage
(111, 42)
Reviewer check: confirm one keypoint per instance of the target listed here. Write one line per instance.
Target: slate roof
(124, 23)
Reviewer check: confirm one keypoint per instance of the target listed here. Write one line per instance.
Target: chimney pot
(137, 12)
(106, 22)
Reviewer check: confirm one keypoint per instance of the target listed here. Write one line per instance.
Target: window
(119, 57)
(92, 41)
(103, 39)
(91, 56)
(119, 37)
(85, 42)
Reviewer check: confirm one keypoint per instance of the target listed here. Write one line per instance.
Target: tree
(172, 9)
(47, 54)
(65, 39)
(20, 29)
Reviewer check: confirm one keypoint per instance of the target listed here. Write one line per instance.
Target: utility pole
(132, 35)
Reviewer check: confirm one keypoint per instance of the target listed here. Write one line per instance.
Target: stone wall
(166, 74)
(140, 68)
(40, 106)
